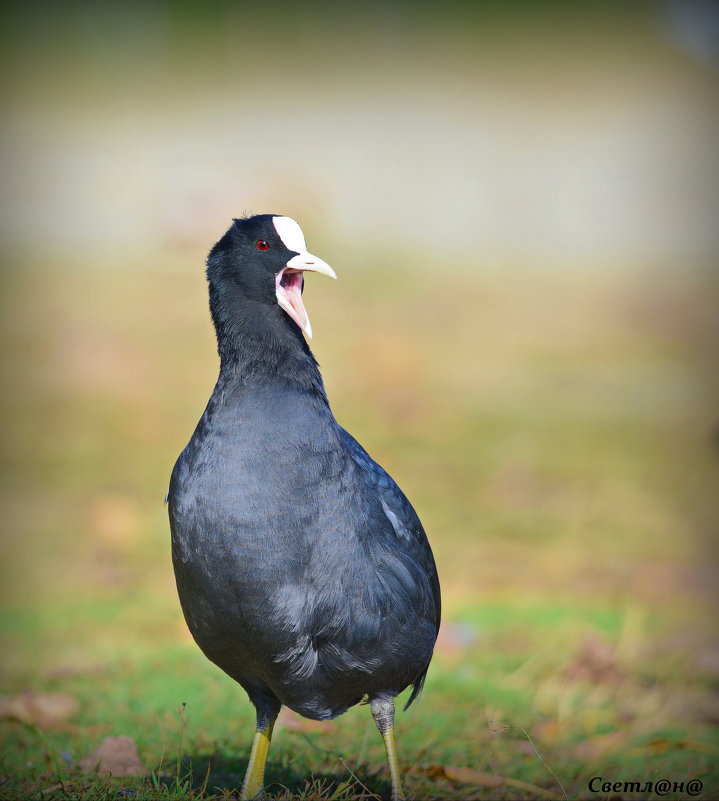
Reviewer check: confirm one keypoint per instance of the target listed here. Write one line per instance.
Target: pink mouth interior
(289, 283)
(291, 280)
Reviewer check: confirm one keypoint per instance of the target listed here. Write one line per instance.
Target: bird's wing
(405, 523)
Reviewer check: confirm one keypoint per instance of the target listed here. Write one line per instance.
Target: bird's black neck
(260, 350)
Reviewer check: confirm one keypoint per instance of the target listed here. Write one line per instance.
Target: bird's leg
(383, 714)
(255, 775)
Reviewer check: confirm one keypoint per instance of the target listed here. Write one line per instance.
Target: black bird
(302, 569)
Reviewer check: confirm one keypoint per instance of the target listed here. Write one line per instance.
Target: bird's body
(302, 569)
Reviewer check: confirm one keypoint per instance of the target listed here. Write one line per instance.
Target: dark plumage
(303, 571)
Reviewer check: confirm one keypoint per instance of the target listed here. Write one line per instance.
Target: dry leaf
(44, 710)
(116, 756)
(595, 662)
(548, 731)
(293, 722)
(481, 779)
(661, 746)
(469, 776)
(599, 746)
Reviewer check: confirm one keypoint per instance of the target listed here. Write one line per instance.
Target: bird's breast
(252, 488)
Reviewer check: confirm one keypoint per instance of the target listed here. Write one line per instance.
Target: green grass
(559, 456)
(512, 668)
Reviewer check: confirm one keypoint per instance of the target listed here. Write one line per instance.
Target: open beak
(289, 283)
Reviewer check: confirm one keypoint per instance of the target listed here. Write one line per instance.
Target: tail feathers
(416, 688)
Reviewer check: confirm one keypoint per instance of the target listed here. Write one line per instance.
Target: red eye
(262, 245)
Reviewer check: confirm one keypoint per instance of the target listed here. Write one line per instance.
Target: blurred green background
(520, 201)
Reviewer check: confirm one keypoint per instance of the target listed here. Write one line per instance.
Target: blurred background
(520, 200)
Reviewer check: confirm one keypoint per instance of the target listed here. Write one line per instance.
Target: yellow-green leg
(383, 714)
(255, 775)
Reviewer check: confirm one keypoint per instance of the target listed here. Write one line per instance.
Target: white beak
(309, 263)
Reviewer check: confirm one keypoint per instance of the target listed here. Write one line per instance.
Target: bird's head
(261, 261)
